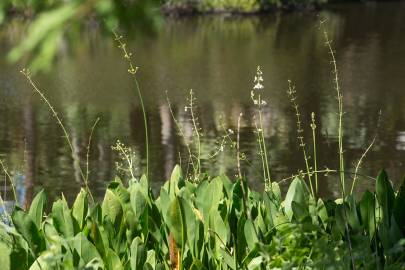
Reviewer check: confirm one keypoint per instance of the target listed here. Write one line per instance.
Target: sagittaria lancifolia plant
(208, 225)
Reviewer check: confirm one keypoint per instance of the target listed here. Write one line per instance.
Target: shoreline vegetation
(178, 8)
(202, 221)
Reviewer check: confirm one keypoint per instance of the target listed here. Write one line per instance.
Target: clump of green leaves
(208, 225)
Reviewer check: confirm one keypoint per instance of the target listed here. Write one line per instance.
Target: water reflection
(217, 58)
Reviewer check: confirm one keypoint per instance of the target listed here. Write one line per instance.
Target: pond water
(217, 58)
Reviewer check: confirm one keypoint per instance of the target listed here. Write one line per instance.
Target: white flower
(258, 81)
(258, 86)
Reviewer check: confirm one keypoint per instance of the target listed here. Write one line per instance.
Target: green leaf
(95, 264)
(351, 213)
(256, 263)
(209, 196)
(113, 262)
(227, 184)
(84, 248)
(37, 208)
(191, 225)
(297, 192)
(385, 196)
(367, 213)
(26, 227)
(197, 265)
(80, 208)
(300, 212)
(112, 208)
(217, 225)
(138, 200)
(399, 206)
(138, 254)
(175, 221)
(5, 251)
(175, 179)
(62, 218)
(250, 234)
(240, 239)
(151, 258)
(228, 259)
(340, 219)
(322, 213)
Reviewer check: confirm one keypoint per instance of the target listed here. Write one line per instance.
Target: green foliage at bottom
(214, 224)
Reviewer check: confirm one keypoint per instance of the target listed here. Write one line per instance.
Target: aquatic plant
(204, 225)
(199, 221)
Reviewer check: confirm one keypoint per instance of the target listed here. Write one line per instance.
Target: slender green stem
(339, 97)
(132, 69)
(196, 130)
(181, 134)
(238, 147)
(359, 163)
(259, 140)
(326, 171)
(291, 93)
(88, 156)
(3, 167)
(264, 142)
(145, 123)
(364, 155)
(76, 160)
(313, 127)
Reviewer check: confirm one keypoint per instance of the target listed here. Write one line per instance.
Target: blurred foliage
(53, 21)
(240, 5)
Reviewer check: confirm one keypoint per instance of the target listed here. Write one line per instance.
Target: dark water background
(217, 58)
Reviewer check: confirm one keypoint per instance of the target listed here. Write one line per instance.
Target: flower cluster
(258, 85)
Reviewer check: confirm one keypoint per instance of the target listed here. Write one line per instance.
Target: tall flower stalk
(259, 102)
(339, 98)
(293, 99)
(132, 69)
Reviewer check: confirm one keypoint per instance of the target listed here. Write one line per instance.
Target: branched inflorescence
(256, 96)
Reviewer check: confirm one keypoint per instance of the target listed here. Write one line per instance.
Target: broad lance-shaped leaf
(138, 200)
(175, 179)
(241, 239)
(21, 254)
(113, 262)
(80, 208)
(218, 229)
(5, 251)
(197, 265)
(367, 213)
(351, 213)
(209, 196)
(62, 218)
(297, 192)
(175, 221)
(300, 212)
(138, 254)
(84, 248)
(322, 213)
(24, 224)
(399, 207)
(37, 208)
(112, 208)
(385, 196)
(250, 234)
(191, 225)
